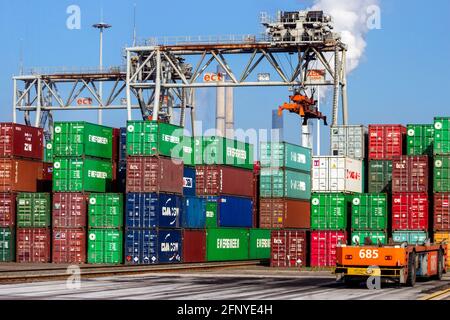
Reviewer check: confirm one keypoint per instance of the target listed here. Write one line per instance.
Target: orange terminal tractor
(401, 263)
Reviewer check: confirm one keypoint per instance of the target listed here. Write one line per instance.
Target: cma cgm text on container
(337, 174)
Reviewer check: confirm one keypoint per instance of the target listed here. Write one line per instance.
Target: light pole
(101, 26)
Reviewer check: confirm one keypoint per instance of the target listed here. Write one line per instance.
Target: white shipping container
(348, 141)
(337, 174)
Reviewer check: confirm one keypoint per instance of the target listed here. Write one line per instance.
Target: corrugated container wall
(19, 141)
(68, 246)
(82, 175)
(141, 246)
(412, 237)
(441, 136)
(105, 210)
(419, 139)
(69, 210)
(323, 247)
(285, 155)
(189, 182)
(194, 246)
(151, 210)
(170, 249)
(235, 212)
(7, 210)
(284, 183)
(48, 152)
(123, 144)
(33, 210)
(7, 245)
(441, 174)
(410, 174)
(259, 246)
(376, 237)
(441, 212)
(105, 246)
(380, 176)
(440, 237)
(33, 245)
(329, 211)
(151, 174)
(410, 211)
(194, 213)
(79, 139)
(227, 244)
(151, 138)
(20, 175)
(284, 213)
(370, 212)
(348, 141)
(337, 174)
(223, 180)
(288, 248)
(386, 141)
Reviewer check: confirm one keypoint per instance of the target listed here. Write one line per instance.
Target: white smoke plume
(351, 20)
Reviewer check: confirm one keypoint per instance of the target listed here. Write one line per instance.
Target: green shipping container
(285, 155)
(105, 246)
(152, 138)
(329, 211)
(211, 214)
(441, 136)
(441, 174)
(188, 151)
(284, 183)
(33, 210)
(48, 154)
(81, 175)
(369, 212)
(80, 139)
(222, 151)
(105, 210)
(420, 139)
(380, 176)
(259, 247)
(7, 245)
(227, 244)
(375, 236)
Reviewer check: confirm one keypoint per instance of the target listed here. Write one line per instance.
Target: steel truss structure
(158, 80)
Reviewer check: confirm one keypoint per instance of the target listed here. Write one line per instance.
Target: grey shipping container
(348, 141)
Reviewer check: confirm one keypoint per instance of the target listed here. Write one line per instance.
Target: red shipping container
(323, 247)
(284, 213)
(153, 174)
(410, 211)
(69, 210)
(410, 174)
(194, 246)
(69, 246)
(288, 248)
(33, 245)
(20, 175)
(7, 210)
(19, 141)
(441, 212)
(217, 180)
(386, 141)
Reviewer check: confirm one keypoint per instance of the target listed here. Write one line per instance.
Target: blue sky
(403, 76)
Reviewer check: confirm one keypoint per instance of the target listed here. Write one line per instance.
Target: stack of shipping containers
(285, 193)
(154, 188)
(82, 166)
(441, 181)
(410, 187)
(335, 179)
(22, 171)
(224, 177)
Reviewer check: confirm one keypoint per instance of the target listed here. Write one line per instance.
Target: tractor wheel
(411, 279)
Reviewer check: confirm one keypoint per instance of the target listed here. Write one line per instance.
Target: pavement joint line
(435, 295)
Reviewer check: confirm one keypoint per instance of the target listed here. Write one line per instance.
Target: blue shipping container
(170, 246)
(194, 213)
(189, 182)
(123, 144)
(141, 246)
(151, 210)
(122, 176)
(235, 212)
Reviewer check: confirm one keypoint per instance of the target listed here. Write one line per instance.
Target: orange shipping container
(20, 175)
